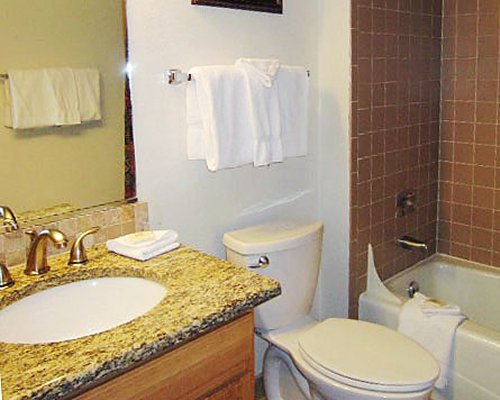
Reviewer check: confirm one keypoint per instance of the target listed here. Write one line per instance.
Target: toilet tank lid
(271, 236)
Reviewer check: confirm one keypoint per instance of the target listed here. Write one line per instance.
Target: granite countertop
(203, 293)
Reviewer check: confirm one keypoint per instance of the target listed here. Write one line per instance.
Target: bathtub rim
(445, 258)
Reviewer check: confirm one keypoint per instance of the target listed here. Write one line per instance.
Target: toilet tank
(294, 252)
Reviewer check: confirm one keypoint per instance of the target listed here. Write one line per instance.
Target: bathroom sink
(78, 309)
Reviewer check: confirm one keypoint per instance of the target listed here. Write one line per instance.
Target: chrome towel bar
(178, 77)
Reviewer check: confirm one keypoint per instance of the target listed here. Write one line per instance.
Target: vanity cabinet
(216, 366)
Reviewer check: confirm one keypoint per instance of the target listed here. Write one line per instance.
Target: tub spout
(409, 243)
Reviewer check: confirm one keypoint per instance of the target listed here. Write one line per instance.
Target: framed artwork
(273, 6)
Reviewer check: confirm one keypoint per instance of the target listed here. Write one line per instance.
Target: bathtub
(475, 373)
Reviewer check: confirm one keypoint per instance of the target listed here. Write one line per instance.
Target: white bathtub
(475, 288)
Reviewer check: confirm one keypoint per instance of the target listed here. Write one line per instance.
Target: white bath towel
(293, 89)
(42, 98)
(434, 327)
(264, 69)
(264, 109)
(196, 134)
(89, 93)
(220, 128)
(144, 245)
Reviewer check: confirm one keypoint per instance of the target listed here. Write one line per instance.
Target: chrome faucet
(409, 243)
(37, 255)
(8, 219)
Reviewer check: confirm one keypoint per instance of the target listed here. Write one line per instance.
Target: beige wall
(82, 165)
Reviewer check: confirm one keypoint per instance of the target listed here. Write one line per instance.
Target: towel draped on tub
(432, 324)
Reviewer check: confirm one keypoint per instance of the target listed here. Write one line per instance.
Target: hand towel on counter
(293, 90)
(88, 88)
(219, 120)
(147, 238)
(144, 245)
(433, 325)
(264, 109)
(43, 98)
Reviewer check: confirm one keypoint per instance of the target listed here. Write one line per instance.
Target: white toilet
(334, 359)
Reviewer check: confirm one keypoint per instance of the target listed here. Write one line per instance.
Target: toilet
(333, 359)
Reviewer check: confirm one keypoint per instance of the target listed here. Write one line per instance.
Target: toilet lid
(367, 355)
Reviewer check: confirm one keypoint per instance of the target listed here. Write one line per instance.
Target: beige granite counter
(203, 292)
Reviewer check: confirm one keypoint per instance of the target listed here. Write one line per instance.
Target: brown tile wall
(395, 130)
(469, 206)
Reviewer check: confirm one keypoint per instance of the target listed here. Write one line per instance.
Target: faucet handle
(8, 219)
(78, 254)
(5, 278)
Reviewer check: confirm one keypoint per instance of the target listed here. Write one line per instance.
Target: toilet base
(282, 380)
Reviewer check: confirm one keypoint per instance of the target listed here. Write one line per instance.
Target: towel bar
(177, 77)
(4, 76)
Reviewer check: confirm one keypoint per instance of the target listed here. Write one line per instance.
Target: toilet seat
(366, 356)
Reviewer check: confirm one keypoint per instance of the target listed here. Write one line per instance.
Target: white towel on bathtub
(432, 324)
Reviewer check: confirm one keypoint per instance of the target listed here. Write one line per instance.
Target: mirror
(60, 169)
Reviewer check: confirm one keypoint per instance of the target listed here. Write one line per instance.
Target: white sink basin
(78, 309)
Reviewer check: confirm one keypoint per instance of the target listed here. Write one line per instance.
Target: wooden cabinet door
(216, 366)
(239, 389)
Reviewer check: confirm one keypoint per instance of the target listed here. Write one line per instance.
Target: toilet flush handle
(263, 263)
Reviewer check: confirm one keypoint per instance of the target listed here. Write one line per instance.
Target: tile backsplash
(114, 221)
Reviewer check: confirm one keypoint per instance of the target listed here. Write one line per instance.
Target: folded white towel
(434, 327)
(144, 254)
(264, 109)
(89, 93)
(219, 122)
(147, 238)
(293, 90)
(42, 98)
(144, 245)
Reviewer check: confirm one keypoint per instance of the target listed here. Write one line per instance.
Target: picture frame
(271, 6)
